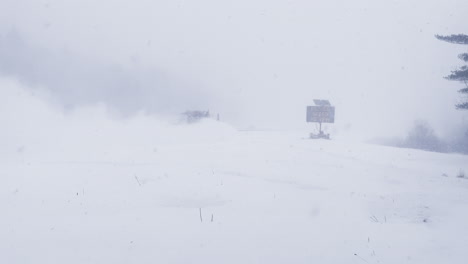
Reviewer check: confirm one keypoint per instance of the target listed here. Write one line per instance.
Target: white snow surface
(264, 197)
(84, 188)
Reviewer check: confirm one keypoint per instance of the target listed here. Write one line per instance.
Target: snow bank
(35, 130)
(83, 187)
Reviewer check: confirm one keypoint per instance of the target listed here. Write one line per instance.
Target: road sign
(321, 112)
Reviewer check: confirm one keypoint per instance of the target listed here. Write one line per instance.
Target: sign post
(321, 112)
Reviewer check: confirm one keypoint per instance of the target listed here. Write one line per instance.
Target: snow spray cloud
(258, 63)
(76, 81)
(33, 130)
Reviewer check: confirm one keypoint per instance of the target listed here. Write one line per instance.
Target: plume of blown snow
(34, 130)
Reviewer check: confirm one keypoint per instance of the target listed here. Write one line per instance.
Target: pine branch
(462, 106)
(463, 57)
(459, 75)
(456, 39)
(463, 91)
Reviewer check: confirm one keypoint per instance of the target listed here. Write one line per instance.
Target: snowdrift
(84, 187)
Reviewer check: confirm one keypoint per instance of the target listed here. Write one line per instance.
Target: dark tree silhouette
(461, 74)
(422, 136)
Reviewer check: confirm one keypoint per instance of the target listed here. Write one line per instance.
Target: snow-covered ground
(225, 196)
(83, 187)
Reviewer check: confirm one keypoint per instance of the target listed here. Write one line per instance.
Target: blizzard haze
(257, 63)
(99, 165)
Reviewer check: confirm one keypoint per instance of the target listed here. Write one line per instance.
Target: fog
(35, 131)
(173, 131)
(256, 63)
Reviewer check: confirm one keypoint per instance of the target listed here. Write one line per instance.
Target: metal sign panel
(321, 114)
(321, 102)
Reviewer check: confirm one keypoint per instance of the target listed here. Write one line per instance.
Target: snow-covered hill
(193, 196)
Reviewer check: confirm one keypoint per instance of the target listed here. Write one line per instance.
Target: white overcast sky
(256, 62)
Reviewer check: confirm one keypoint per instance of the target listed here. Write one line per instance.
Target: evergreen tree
(461, 74)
